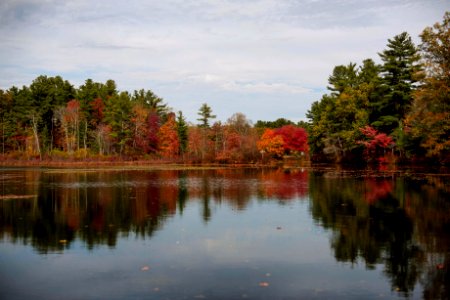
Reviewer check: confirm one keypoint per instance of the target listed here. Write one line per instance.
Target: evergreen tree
(182, 130)
(117, 116)
(6, 120)
(47, 94)
(369, 73)
(337, 117)
(93, 96)
(278, 123)
(205, 114)
(400, 72)
(151, 101)
(343, 77)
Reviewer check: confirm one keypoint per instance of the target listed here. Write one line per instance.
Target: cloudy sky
(265, 58)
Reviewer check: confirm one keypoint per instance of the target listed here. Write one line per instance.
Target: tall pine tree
(400, 73)
(182, 130)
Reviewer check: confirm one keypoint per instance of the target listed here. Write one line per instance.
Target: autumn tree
(139, 117)
(231, 142)
(97, 107)
(196, 149)
(228, 144)
(153, 124)
(92, 97)
(376, 144)
(295, 139)
(169, 145)
(271, 144)
(428, 122)
(240, 138)
(149, 112)
(205, 113)
(70, 117)
(104, 139)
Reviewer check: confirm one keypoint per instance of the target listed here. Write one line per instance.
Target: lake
(301, 233)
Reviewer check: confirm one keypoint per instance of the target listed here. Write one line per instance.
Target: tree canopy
(398, 110)
(405, 100)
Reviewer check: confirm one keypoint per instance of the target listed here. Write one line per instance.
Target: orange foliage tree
(169, 143)
(229, 146)
(271, 144)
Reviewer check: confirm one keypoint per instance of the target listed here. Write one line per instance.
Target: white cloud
(223, 52)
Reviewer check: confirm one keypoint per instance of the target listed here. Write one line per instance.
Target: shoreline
(329, 168)
(135, 164)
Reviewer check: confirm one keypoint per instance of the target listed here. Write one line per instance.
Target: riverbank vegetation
(396, 111)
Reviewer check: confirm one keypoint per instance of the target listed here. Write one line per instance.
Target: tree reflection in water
(398, 222)
(98, 206)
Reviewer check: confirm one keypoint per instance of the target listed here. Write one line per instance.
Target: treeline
(50, 119)
(398, 110)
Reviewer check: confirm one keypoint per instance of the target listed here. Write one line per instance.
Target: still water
(224, 234)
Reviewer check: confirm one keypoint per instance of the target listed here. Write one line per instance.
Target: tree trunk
(36, 135)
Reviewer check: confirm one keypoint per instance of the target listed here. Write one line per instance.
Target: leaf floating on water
(279, 228)
(264, 284)
(145, 268)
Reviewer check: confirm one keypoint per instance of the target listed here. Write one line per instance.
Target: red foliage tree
(152, 131)
(295, 138)
(376, 143)
(97, 107)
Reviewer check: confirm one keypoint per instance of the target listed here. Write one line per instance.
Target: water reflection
(98, 206)
(396, 221)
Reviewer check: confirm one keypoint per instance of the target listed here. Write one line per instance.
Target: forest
(397, 111)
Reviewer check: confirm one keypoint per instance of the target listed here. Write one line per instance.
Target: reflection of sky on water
(226, 257)
(222, 234)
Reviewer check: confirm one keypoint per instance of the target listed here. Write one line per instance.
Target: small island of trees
(396, 111)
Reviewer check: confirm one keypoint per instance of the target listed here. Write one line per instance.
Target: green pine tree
(400, 72)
